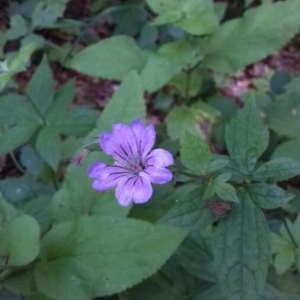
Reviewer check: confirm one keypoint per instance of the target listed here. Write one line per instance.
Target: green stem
(54, 180)
(16, 163)
(290, 233)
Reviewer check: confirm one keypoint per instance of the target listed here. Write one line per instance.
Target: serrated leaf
(277, 169)
(77, 122)
(225, 191)
(16, 136)
(48, 145)
(115, 57)
(242, 251)
(169, 60)
(189, 212)
(246, 137)
(193, 16)
(15, 109)
(126, 104)
(240, 42)
(77, 198)
(101, 256)
(20, 241)
(195, 154)
(17, 28)
(283, 115)
(181, 119)
(63, 98)
(288, 149)
(284, 252)
(268, 196)
(40, 88)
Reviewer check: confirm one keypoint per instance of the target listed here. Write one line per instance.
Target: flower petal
(124, 191)
(95, 169)
(142, 191)
(145, 136)
(159, 158)
(133, 188)
(106, 143)
(157, 175)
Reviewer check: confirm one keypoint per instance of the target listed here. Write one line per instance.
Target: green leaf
(101, 256)
(284, 252)
(268, 196)
(288, 149)
(48, 145)
(115, 57)
(181, 119)
(169, 60)
(20, 241)
(195, 154)
(193, 16)
(277, 169)
(77, 122)
(283, 115)
(31, 160)
(189, 212)
(18, 28)
(40, 89)
(240, 42)
(7, 212)
(126, 104)
(224, 190)
(15, 109)
(62, 100)
(77, 198)
(242, 251)
(46, 13)
(246, 137)
(16, 136)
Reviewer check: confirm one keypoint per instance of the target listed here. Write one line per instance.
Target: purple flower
(135, 166)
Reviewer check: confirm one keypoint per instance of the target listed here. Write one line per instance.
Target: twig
(16, 163)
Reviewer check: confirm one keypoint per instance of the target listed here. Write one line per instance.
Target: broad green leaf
(293, 87)
(16, 136)
(20, 241)
(225, 191)
(7, 212)
(77, 198)
(195, 154)
(101, 256)
(172, 282)
(18, 28)
(284, 252)
(242, 251)
(189, 212)
(48, 145)
(77, 122)
(40, 89)
(62, 100)
(47, 12)
(246, 137)
(181, 119)
(195, 255)
(283, 115)
(270, 293)
(18, 189)
(277, 169)
(212, 293)
(288, 149)
(16, 109)
(169, 60)
(7, 295)
(126, 104)
(240, 42)
(112, 58)
(268, 196)
(31, 160)
(193, 16)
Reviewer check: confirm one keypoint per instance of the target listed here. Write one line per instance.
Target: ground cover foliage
(227, 227)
